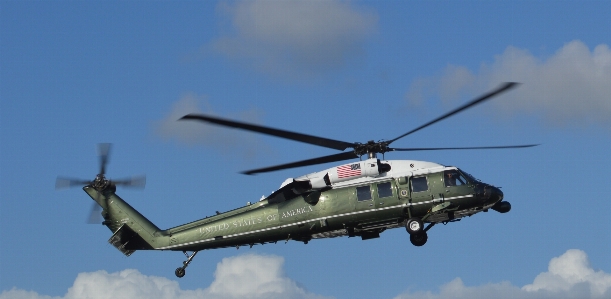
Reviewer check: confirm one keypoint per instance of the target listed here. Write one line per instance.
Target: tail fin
(131, 230)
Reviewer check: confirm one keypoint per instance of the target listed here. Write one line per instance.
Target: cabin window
(363, 193)
(419, 184)
(384, 190)
(454, 178)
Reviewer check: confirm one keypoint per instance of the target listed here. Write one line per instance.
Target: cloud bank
(294, 38)
(569, 87)
(569, 276)
(199, 133)
(235, 277)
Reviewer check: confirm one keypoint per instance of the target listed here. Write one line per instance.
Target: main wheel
(180, 272)
(414, 226)
(419, 239)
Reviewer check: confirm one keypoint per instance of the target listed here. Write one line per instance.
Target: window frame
(460, 178)
(390, 189)
(418, 177)
(362, 187)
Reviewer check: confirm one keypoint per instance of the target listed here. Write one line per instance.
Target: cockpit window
(419, 184)
(469, 176)
(454, 178)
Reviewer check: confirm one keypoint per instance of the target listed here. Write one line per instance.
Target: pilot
(450, 179)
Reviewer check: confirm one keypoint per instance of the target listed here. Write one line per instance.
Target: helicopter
(362, 198)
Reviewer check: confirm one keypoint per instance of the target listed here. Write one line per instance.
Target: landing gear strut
(180, 271)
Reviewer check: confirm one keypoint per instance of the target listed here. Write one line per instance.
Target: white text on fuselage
(296, 212)
(237, 223)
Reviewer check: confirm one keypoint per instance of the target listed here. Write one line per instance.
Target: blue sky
(76, 73)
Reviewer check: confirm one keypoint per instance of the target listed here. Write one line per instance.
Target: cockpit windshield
(469, 176)
(454, 178)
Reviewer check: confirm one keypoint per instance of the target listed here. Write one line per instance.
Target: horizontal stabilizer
(127, 241)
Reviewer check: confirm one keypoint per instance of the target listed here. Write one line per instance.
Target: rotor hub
(371, 148)
(100, 182)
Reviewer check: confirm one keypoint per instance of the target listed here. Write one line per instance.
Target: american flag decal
(346, 171)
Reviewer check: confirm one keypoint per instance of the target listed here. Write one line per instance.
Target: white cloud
(568, 276)
(243, 277)
(295, 38)
(235, 277)
(570, 87)
(569, 270)
(192, 132)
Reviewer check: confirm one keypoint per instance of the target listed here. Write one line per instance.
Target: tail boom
(131, 230)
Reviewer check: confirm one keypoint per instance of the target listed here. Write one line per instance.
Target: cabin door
(363, 202)
(421, 193)
(385, 196)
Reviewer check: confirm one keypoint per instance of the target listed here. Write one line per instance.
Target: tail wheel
(419, 239)
(414, 226)
(180, 272)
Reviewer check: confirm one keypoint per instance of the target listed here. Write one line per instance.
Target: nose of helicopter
(496, 195)
(489, 194)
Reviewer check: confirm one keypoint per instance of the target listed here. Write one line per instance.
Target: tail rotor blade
(64, 183)
(133, 182)
(103, 152)
(101, 184)
(95, 216)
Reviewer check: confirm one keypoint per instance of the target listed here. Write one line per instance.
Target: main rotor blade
(457, 148)
(63, 183)
(502, 88)
(319, 160)
(133, 182)
(320, 141)
(103, 152)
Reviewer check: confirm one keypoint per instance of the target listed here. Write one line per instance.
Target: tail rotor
(100, 182)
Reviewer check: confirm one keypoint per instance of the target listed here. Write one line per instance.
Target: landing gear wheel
(414, 226)
(180, 271)
(419, 239)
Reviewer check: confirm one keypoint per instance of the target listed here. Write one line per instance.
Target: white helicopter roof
(399, 168)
